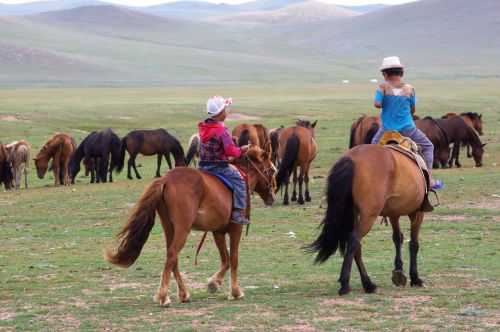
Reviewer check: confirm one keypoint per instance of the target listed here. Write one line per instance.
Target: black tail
(339, 219)
(288, 161)
(371, 133)
(244, 138)
(123, 148)
(193, 149)
(178, 152)
(116, 153)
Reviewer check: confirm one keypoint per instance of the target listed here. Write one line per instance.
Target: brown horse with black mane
(297, 148)
(473, 120)
(435, 133)
(255, 134)
(59, 148)
(148, 143)
(5, 168)
(363, 130)
(357, 195)
(187, 199)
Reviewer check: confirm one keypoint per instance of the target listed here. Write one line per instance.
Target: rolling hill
(44, 6)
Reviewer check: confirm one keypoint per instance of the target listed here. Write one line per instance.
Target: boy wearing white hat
(397, 101)
(216, 146)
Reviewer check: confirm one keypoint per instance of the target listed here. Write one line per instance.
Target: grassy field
(53, 277)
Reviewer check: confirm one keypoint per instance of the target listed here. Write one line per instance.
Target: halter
(262, 175)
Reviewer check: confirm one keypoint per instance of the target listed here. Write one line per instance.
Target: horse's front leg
(216, 280)
(169, 161)
(398, 276)
(469, 154)
(158, 165)
(234, 239)
(416, 222)
(457, 162)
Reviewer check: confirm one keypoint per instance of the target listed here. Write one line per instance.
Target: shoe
(238, 217)
(437, 185)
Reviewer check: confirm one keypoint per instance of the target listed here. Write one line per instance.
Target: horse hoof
(344, 290)
(129, 177)
(285, 203)
(300, 201)
(417, 282)
(213, 286)
(237, 295)
(185, 299)
(308, 199)
(370, 287)
(294, 198)
(398, 278)
(164, 301)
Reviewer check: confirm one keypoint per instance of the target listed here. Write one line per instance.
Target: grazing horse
(363, 130)
(60, 148)
(357, 194)
(96, 150)
(193, 152)
(274, 135)
(148, 143)
(255, 134)
(297, 148)
(435, 133)
(186, 199)
(5, 168)
(473, 120)
(458, 132)
(19, 152)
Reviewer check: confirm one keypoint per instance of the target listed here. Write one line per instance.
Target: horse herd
(103, 152)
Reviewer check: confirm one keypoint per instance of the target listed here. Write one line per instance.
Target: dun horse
(357, 194)
(19, 154)
(148, 143)
(255, 134)
(60, 148)
(297, 148)
(187, 199)
(95, 151)
(5, 168)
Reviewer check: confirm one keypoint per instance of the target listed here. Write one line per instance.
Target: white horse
(19, 156)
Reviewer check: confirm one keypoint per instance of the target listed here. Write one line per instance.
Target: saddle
(395, 141)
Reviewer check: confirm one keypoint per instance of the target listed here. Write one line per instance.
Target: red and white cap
(217, 104)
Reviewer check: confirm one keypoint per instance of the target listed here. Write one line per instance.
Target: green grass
(53, 277)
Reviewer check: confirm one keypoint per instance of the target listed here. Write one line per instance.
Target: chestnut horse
(19, 154)
(473, 120)
(435, 133)
(363, 130)
(274, 136)
(255, 134)
(148, 143)
(60, 148)
(5, 168)
(186, 199)
(193, 152)
(297, 148)
(357, 194)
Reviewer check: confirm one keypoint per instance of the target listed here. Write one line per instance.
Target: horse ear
(314, 124)
(483, 145)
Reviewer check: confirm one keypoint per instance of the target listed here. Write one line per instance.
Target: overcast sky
(153, 2)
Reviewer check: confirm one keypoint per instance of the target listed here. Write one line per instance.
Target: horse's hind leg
(301, 182)
(234, 238)
(368, 285)
(306, 181)
(137, 175)
(169, 161)
(25, 171)
(294, 192)
(457, 161)
(216, 280)
(158, 165)
(416, 221)
(285, 196)
(398, 275)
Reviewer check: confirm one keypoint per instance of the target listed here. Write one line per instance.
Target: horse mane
(354, 127)
(473, 138)
(244, 138)
(177, 150)
(471, 115)
(193, 148)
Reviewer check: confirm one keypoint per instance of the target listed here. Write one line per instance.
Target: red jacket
(216, 142)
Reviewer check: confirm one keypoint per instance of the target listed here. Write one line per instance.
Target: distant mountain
(261, 5)
(45, 6)
(363, 9)
(300, 13)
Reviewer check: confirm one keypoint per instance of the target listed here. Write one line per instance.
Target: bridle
(261, 173)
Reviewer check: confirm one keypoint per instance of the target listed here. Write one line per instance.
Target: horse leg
(25, 171)
(416, 221)
(301, 181)
(353, 245)
(67, 181)
(129, 165)
(368, 285)
(56, 169)
(158, 165)
(457, 162)
(285, 196)
(137, 175)
(216, 280)
(103, 169)
(17, 176)
(169, 161)
(234, 239)
(469, 154)
(398, 276)
(306, 181)
(294, 193)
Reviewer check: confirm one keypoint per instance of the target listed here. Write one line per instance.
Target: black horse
(148, 143)
(95, 150)
(6, 176)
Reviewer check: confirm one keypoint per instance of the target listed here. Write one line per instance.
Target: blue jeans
(233, 176)
(418, 137)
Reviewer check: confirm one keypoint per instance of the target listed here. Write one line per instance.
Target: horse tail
(116, 153)
(371, 133)
(288, 161)
(194, 147)
(354, 127)
(123, 148)
(136, 232)
(244, 138)
(338, 222)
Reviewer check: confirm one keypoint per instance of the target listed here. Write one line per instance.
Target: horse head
(477, 154)
(41, 164)
(261, 171)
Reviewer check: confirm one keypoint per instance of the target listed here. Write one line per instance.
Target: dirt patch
(11, 118)
(343, 302)
(301, 326)
(6, 315)
(410, 302)
(452, 217)
(133, 285)
(241, 116)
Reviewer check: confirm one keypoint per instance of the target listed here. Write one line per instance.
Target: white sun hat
(391, 62)
(217, 104)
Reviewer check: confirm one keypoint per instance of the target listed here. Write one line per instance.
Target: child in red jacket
(216, 147)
